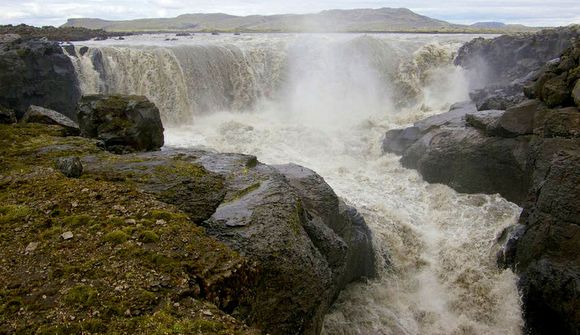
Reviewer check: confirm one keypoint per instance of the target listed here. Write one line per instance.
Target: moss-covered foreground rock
(125, 248)
(94, 256)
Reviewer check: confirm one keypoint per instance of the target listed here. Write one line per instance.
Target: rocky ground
(104, 233)
(530, 154)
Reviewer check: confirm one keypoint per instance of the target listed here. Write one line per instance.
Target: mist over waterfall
(325, 101)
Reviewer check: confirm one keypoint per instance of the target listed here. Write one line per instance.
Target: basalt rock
(306, 242)
(530, 154)
(37, 72)
(36, 114)
(508, 59)
(124, 123)
(399, 140)
(7, 116)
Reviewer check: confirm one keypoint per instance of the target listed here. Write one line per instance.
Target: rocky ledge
(172, 241)
(530, 154)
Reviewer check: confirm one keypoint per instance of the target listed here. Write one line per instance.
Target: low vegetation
(90, 256)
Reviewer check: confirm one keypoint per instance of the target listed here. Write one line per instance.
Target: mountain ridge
(333, 20)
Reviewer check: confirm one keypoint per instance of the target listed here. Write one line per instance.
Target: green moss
(167, 216)
(81, 295)
(148, 236)
(50, 233)
(12, 213)
(116, 237)
(180, 168)
(77, 220)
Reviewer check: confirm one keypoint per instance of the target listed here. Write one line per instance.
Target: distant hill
(353, 20)
(489, 25)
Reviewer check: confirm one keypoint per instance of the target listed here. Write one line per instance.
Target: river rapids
(325, 101)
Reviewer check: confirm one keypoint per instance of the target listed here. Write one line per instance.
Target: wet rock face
(530, 154)
(306, 242)
(37, 72)
(124, 123)
(508, 58)
(546, 255)
(501, 67)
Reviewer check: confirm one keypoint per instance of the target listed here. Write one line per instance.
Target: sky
(56, 12)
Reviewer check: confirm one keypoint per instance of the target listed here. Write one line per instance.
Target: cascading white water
(325, 101)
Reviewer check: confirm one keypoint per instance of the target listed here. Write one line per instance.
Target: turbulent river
(325, 101)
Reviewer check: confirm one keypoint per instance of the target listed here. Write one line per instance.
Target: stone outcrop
(500, 67)
(306, 242)
(124, 123)
(36, 72)
(36, 114)
(530, 154)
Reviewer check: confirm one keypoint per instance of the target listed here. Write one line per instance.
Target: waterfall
(325, 101)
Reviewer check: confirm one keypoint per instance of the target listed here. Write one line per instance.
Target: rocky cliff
(529, 153)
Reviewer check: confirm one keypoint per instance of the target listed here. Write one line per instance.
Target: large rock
(7, 116)
(306, 242)
(471, 162)
(519, 120)
(37, 73)
(36, 114)
(545, 254)
(399, 140)
(124, 123)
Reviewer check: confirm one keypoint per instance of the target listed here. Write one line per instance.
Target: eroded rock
(124, 123)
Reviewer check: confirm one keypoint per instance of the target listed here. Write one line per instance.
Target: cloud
(55, 12)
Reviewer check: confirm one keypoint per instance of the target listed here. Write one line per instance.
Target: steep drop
(324, 101)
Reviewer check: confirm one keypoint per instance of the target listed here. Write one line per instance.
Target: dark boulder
(306, 243)
(519, 120)
(471, 162)
(71, 167)
(124, 123)
(37, 72)
(399, 140)
(36, 114)
(7, 116)
(546, 255)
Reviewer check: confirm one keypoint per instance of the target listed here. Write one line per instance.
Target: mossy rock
(121, 267)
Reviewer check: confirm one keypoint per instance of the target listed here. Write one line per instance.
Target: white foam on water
(325, 102)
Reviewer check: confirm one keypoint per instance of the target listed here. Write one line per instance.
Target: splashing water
(325, 101)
